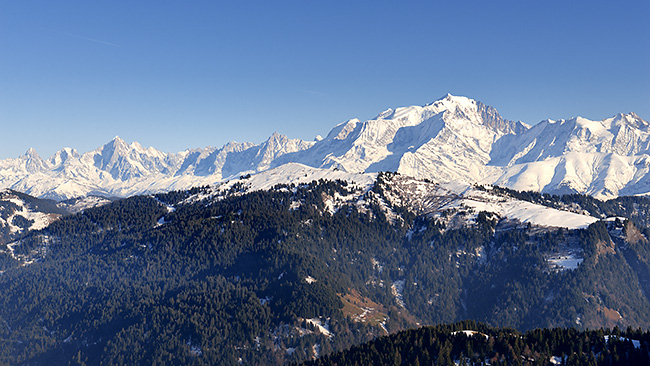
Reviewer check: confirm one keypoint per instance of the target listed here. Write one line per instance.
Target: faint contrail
(91, 39)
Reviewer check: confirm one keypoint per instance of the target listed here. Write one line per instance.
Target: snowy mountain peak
(234, 146)
(276, 137)
(116, 146)
(117, 140)
(124, 161)
(464, 108)
(455, 99)
(62, 156)
(136, 146)
(451, 103)
(630, 119)
(387, 114)
(447, 97)
(33, 162)
(31, 153)
(341, 131)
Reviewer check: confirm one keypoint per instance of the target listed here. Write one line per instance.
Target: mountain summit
(453, 139)
(448, 139)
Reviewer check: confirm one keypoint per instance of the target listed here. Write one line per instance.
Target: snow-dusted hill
(453, 203)
(454, 139)
(460, 204)
(20, 213)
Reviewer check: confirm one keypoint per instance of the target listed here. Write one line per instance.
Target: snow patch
(636, 343)
(565, 262)
(557, 360)
(316, 350)
(295, 205)
(376, 265)
(323, 327)
(470, 333)
(397, 289)
(84, 203)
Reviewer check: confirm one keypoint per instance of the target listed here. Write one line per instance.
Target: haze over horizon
(177, 76)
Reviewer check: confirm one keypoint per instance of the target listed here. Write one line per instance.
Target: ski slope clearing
(565, 262)
(426, 197)
(525, 212)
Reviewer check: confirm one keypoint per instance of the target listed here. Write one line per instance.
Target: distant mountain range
(454, 139)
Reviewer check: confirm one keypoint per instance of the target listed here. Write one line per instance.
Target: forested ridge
(278, 276)
(469, 343)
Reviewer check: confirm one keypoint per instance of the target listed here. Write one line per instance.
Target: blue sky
(177, 75)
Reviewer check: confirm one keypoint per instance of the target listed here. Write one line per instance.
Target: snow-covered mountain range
(454, 139)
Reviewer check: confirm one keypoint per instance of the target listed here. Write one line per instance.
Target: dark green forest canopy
(271, 277)
(469, 343)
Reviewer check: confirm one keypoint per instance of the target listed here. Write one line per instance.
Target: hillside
(251, 273)
(469, 343)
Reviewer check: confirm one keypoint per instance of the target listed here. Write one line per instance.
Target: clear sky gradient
(187, 74)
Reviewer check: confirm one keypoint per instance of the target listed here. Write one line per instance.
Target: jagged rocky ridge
(454, 139)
